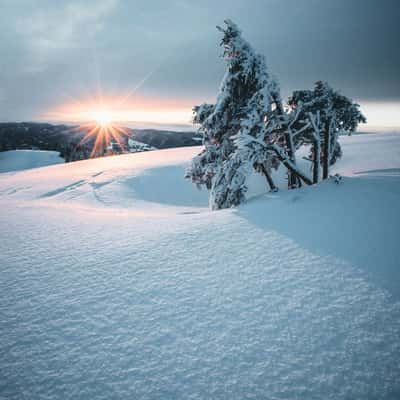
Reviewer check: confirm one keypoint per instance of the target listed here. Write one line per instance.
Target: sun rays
(104, 133)
(102, 119)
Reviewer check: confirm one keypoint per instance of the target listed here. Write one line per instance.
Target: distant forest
(68, 140)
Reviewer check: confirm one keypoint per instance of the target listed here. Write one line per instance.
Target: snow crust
(16, 160)
(116, 281)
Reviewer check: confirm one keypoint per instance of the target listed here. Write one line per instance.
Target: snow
(116, 281)
(16, 160)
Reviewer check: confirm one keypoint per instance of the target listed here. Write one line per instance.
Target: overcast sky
(52, 51)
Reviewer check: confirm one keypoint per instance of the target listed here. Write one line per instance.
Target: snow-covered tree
(324, 114)
(249, 128)
(245, 100)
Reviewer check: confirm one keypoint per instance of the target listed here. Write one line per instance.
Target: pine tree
(248, 128)
(324, 114)
(244, 102)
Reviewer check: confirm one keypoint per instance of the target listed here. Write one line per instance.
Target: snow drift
(118, 282)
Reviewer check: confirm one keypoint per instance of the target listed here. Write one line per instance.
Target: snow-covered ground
(116, 281)
(16, 160)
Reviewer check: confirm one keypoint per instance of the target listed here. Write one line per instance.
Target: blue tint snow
(117, 282)
(17, 160)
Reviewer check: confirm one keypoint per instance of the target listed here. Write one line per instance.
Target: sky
(155, 59)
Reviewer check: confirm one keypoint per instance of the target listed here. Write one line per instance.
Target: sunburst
(100, 115)
(105, 132)
(103, 118)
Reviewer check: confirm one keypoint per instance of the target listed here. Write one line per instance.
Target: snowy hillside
(116, 281)
(16, 160)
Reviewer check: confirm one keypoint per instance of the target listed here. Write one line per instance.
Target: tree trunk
(292, 177)
(268, 176)
(290, 166)
(296, 172)
(316, 160)
(327, 140)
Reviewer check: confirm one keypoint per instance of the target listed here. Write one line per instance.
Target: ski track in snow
(177, 302)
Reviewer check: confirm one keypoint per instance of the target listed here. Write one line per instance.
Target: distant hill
(166, 139)
(68, 140)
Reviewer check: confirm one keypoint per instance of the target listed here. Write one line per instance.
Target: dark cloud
(52, 50)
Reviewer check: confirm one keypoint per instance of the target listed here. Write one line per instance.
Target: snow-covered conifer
(244, 102)
(324, 114)
(249, 128)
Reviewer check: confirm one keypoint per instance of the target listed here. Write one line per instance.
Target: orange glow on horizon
(108, 108)
(101, 118)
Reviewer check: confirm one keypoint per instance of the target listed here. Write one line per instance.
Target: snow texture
(116, 281)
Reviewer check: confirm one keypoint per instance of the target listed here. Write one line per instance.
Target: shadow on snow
(326, 218)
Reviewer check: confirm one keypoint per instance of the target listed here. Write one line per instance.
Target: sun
(103, 129)
(103, 118)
